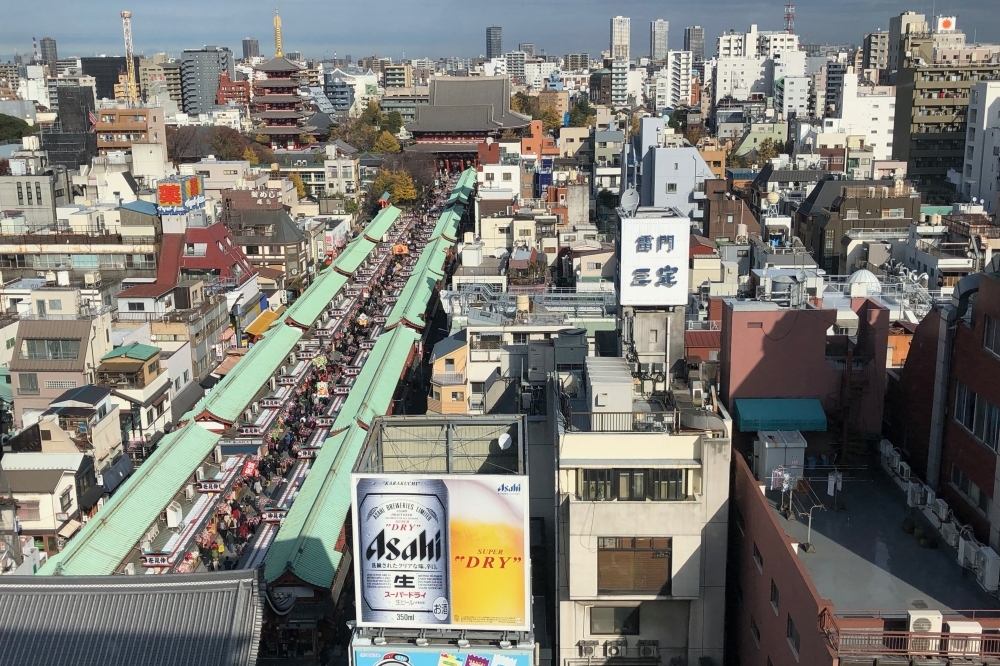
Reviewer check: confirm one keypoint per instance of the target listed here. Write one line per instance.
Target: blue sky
(436, 28)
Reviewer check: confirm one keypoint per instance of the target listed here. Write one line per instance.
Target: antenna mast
(790, 18)
(131, 94)
(277, 34)
(34, 45)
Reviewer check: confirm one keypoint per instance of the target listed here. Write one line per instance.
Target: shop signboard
(448, 551)
(428, 656)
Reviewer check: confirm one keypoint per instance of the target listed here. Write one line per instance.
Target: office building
(70, 142)
(658, 41)
(694, 41)
(251, 48)
(49, 55)
(398, 76)
(621, 37)
(981, 172)
(528, 48)
(106, 70)
(494, 42)
(200, 71)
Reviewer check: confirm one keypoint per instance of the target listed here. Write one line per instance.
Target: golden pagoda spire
(277, 34)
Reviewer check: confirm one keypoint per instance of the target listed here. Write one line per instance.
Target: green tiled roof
(107, 539)
(250, 373)
(135, 350)
(381, 223)
(6, 389)
(309, 305)
(353, 255)
(306, 543)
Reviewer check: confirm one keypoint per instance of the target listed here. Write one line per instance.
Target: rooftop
(864, 560)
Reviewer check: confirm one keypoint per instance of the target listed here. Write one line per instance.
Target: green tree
(633, 125)
(766, 151)
(735, 161)
(372, 115)
(607, 199)
(392, 122)
(227, 143)
(351, 207)
(300, 187)
(581, 113)
(14, 129)
(306, 139)
(551, 120)
(386, 143)
(250, 156)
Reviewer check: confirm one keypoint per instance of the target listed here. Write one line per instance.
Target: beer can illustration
(403, 550)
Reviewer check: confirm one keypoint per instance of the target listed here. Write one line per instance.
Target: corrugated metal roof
(253, 372)
(107, 539)
(703, 339)
(206, 619)
(262, 322)
(34, 480)
(134, 350)
(36, 460)
(52, 329)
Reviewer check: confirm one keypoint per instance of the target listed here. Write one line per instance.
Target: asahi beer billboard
(442, 552)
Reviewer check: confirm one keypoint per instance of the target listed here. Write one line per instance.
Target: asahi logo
(421, 549)
(509, 488)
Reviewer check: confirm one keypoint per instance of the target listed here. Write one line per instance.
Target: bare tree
(180, 140)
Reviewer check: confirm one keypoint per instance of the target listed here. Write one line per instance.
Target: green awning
(754, 414)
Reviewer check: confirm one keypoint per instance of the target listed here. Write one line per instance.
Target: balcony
(847, 634)
(622, 422)
(121, 380)
(449, 378)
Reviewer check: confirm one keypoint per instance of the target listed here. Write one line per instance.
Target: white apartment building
(899, 27)
(741, 78)
(642, 525)
(678, 74)
(791, 96)
(981, 171)
(754, 44)
(515, 66)
(868, 111)
(619, 83)
(621, 37)
(536, 72)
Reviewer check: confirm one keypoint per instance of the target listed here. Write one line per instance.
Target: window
(153, 367)
(754, 631)
(895, 213)
(136, 306)
(177, 384)
(65, 501)
(27, 383)
(792, 634)
(594, 265)
(253, 250)
(490, 176)
(55, 304)
(979, 417)
(478, 387)
(671, 187)
(654, 335)
(975, 495)
(28, 511)
(187, 376)
(62, 384)
(46, 435)
(757, 558)
(524, 233)
(520, 338)
(774, 596)
(457, 396)
(852, 214)
(508, 177)
(668, 484)
(630, 565)
(595, 484)
(50, 350)
(149, 417)
(10, 343)
(992, 338)
(20, 195)
(621, 620)
(630, 484)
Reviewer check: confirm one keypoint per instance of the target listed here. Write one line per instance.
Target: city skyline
(447, 29)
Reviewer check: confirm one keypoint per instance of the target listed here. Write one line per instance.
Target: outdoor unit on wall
(247, 415)
(929, 496)
(615, 648)
(967, 549)
(988, 568)
(217, 455)
(255, 407)
(941, 509)
(130, 569)
(894, 460)
(904, 471)
(924, 622)
(885, 448)
(648, 649)
(189, 492)
(949, 531)
(588, 648)
(292, 358)
(272, 383)
(175, 515)
(914, 493)
(284, 370)
(964, 639)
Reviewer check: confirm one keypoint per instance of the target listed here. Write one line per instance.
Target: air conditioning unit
(924, 622)
(967, 549)
(964, 639)
(929, 496)
(292, 358)
(189, 492)
(588, 648)
(615, 648)
(247, 415)
(914, 493)
(949, 531)
(130, 569)
(940, 509)
(175, 515)
(885, 448)
(199, 474)
(894, 460)
(272, 383)
(301, 346)
(648, 649)
(988, 568)
(255, 407)
(284, 370)
(217, 455)
(904, 471)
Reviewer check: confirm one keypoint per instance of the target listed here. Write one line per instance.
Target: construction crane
(277, 34)
(132, 93)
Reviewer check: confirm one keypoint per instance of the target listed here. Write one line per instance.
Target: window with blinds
(635, 485)
(633, 565)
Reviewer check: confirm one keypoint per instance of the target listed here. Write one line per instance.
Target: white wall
(982, 142)
(868, 111)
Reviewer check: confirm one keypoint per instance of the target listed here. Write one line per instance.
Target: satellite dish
(630, 201)
(505, 441)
